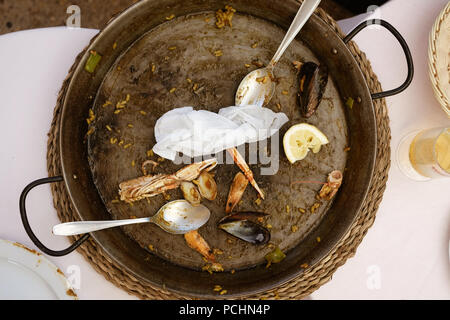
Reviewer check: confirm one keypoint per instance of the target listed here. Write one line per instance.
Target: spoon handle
(306, 10)
(79, 227)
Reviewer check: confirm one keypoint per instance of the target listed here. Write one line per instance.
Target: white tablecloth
(405, 255)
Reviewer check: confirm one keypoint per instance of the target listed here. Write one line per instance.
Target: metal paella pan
(152, 56)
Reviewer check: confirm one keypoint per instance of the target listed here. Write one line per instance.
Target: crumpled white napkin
(200, 132)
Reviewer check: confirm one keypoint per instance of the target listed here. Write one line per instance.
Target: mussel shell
(246, 230)
(313, 80)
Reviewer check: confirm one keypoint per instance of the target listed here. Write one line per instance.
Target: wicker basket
(439, 58)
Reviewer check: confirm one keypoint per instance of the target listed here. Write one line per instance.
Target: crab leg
(192, 171)
(240, 161)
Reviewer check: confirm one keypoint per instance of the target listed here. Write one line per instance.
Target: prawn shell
(195, 241)
(190, 193)
(236, 192)
(330, 189)
(207, 186)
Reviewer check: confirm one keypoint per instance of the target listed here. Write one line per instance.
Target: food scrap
(262, 79)
(223, 18)
(275, 256)
(92, 61)
(218, 53)
(314, 207)
(349, 102)
(90, 131)
(150, 153)
(170, 17)
(330, 188)
(91, 117)
(297, 65)
(257, 63)
(122, 104)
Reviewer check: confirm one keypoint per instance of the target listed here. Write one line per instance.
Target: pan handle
(401, 40)
(26, 224)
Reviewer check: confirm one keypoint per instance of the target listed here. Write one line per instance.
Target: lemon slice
(301, 138)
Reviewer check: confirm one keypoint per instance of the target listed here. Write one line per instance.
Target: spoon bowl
(176, 217)
(257, 88)
(180, 217)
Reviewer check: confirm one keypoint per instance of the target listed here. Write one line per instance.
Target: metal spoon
(258, 86)
(177, 217)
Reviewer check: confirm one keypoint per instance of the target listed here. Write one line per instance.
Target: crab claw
(240, 161)
(192, 171)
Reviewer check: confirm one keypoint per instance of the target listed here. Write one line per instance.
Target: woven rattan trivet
(298, 288)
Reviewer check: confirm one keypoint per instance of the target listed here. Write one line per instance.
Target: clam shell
(207, 186)
(190, 193)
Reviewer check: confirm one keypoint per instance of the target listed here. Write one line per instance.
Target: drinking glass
(423, 155)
